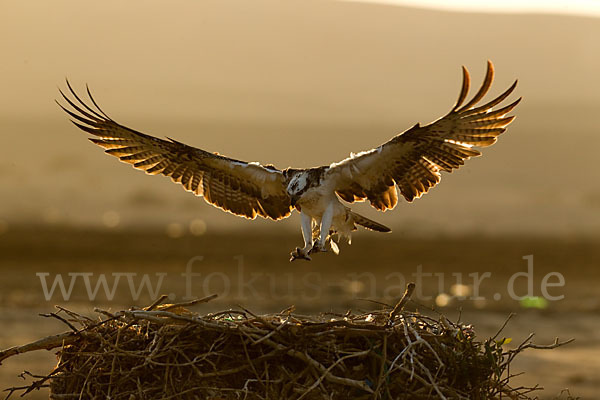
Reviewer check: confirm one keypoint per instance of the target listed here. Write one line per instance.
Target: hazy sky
(297, 84)
(573, 7)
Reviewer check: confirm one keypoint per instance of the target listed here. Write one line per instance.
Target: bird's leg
(326, 220)
(306, 222)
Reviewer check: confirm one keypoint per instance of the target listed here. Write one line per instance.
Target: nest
(168, 352)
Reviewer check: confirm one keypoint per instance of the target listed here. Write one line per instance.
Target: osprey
(410, 163)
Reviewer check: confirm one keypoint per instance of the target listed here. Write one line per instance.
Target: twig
(410, 288)
(274, 331)
(503, 325)
(546, 346)
(382, 375)
(47, 343)
(191, 302)
(63, 320)
(156, 303)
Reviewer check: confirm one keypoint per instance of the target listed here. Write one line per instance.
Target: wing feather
(485, 87)
(413, 161)
(245, 189)
(464, 90)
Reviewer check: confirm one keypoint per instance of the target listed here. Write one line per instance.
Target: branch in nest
(47, 343)
(410, 288)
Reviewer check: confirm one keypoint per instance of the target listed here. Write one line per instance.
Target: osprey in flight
(410, 163)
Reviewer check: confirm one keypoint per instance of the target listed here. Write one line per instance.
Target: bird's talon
(317, 249)
(299, 254)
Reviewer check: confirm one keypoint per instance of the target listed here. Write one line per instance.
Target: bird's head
(297, 185)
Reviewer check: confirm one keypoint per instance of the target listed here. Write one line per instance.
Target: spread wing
(413, 160)
(245, 189)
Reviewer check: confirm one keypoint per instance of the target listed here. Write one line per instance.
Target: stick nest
(168, 352)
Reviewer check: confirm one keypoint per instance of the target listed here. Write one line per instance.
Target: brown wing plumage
(245, 189)
(413, 160)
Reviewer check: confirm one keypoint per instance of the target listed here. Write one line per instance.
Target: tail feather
(368, 223)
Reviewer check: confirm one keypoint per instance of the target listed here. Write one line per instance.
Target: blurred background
(303, 83)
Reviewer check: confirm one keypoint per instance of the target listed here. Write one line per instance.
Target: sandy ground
(253, 270)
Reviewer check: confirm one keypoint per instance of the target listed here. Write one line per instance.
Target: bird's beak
(293, 200)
